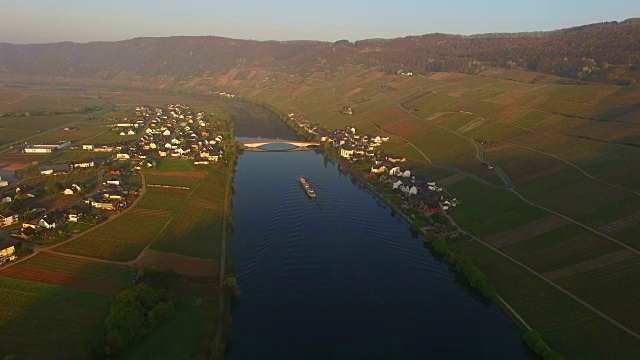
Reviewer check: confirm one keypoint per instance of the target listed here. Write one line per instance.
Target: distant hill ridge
(604, 52)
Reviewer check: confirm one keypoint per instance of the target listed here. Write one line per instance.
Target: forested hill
(606, 52)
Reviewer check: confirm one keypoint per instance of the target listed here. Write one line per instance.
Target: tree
(231, 285)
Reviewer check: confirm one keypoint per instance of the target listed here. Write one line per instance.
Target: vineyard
(556, 249)
(76, 273)
(560, 318)
(64, 322)
(489, 211)
(196, 229)
(613, 289)
(174, 178)
(526, 231)
(125, 237)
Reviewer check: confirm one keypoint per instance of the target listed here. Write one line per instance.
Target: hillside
(606, 52)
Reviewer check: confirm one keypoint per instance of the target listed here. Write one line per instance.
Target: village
(418, 192)
(172, 131)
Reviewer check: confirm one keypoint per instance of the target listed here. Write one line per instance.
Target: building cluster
(114, 195)
(418, 191)
(174, 131)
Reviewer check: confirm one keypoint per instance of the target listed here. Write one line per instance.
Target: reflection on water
(340, 277)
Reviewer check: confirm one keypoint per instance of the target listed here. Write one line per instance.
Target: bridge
(297, 145)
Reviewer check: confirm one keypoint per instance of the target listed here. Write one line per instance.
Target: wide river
(341, 277)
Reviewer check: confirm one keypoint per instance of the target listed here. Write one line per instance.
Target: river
(342, 277)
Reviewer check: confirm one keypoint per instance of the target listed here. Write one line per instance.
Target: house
(122, 156)
(396, 158)
(87, 147)
(395, 171)
(5, 200)
(104, 148)
(8, 220)
(54, 169)
(52, 219)
(7, 253)
(83, 164)
(74, 215)
(347, 152)
(71, 190)
(114, 181)
(378, 170)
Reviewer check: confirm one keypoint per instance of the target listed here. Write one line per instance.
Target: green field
(167, 164)
(44, 322)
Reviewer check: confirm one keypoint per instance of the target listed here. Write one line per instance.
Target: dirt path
(223, 246)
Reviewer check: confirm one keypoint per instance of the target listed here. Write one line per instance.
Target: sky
(43, 21)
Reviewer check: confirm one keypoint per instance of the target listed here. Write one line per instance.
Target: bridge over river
(297, 145)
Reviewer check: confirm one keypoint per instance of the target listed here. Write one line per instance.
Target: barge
(306, 187)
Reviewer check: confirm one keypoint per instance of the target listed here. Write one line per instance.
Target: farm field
(172, 165)
(79, 132)
(16, 128)
(566, 325)
(196, 229)
(80, 274)
(612, 288)
(65, 322)
(174, 178)
(548, 251)
(126, 236)
(486, 211)
(45, 98)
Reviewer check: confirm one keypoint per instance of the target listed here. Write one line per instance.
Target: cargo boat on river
(306, 187)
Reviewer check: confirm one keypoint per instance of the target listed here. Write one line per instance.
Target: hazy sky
(25, 21)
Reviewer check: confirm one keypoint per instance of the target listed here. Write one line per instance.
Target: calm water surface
(341, 277)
